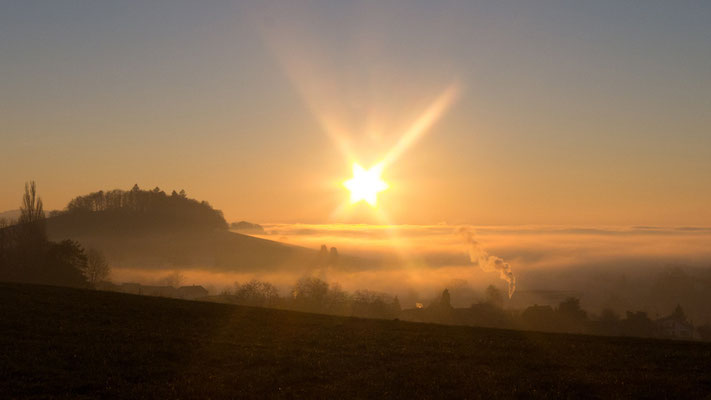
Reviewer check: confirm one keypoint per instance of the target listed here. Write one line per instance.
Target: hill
(247, 227)
(60, 342)
(150, 229)
(214, 249)
(10, 215)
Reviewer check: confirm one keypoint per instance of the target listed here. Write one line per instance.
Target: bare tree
(175, 279)
(309, 294)
(31, 209)
(32, 232)
(257, 293)
(97, 268)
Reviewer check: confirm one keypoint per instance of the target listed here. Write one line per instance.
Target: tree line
(565, 317)
(311, 294)
(143, 208)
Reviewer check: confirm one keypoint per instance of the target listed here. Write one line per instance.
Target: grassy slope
(218, 250)
(66, 342)
(156, 246)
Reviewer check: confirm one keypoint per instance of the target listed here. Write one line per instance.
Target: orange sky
(562, 114)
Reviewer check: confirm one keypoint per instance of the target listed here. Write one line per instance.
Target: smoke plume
(487, 262)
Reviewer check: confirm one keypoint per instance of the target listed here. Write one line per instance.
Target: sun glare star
(365, 185)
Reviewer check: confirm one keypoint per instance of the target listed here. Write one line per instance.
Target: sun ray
(423, 122)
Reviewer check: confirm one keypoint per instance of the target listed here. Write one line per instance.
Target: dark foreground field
(57, 342)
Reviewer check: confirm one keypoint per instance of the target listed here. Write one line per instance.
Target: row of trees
(27, 255)
(311, 294)
(314, 295)
(568, 316)
(145, 207)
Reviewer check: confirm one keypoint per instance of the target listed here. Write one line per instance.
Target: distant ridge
(10, 215)
(247, 227)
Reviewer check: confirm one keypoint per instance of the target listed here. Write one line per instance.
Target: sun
(365, 185)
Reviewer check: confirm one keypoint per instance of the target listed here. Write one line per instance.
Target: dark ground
(57, 342)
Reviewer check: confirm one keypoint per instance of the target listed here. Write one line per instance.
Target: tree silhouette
(446, 300)
(396, 308)
(638, 324)
(31, 224)
(31, 210)
(64, 263)
(256, 293)
(309, 294)
(27, 256)
(494, 296)
(175, 279)
(679, 314)
(97, 268)
(609, 322)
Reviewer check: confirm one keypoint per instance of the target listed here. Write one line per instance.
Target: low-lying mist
(617, 268)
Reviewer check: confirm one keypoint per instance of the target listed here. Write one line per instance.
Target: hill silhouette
(247, 227)
(148, 228)
(10, 215)
(136, 209)
(62, 342)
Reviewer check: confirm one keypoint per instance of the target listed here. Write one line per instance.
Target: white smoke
(487, 262)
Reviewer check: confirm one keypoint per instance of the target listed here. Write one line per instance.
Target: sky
(546, 112)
